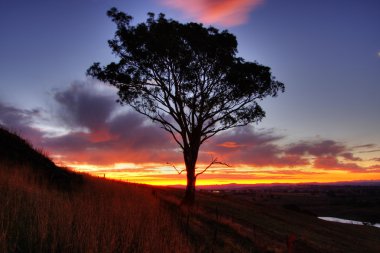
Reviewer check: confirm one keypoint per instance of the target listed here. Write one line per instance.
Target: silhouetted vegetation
(188, 79)
(15, 152)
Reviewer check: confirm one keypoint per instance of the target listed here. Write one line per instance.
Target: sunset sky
(324, 128)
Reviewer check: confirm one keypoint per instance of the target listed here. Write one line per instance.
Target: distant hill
(234, 186)
(16, 152)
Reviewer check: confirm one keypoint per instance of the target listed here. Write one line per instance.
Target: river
(333, 219)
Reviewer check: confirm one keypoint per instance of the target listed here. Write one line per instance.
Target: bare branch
(213, 161)
(178, 171)
(173, 135)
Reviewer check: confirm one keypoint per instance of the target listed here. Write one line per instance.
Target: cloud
(224, 12)
(128, 139)
(103, 132)
(332, 163)
(258, 148)
(97, 129)
(100, 132)
(324, 147)
(21, 121)
(261, 149)
(321, 148)
(85, 104)
(365, 146)
(350, 156)
(327, 154)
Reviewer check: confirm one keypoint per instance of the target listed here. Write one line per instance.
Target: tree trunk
(190, 157)
(189, 197)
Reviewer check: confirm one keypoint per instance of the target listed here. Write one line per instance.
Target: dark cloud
(320, 148)
(366, 148)
(126, 138)
(258, 148)
(370, 146)
(103, 132)
(261, 149)
(370, 151)
(247, 136)
(327, 154)
(100, 131)
(350, 156)
(20, 121)
(139, 133)
(85, 104)
(332, 163)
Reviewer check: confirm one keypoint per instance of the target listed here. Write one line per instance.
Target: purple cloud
(84, 104)
(21, 121)
(244, 145)
(332, 163)
(100, 131)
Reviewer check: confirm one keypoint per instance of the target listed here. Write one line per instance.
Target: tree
(187, 78)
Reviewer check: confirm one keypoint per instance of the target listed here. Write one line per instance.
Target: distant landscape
(50, 209)
(270, 185)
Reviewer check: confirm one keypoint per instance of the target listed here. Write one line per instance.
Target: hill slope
(16, 153)
(40, 213)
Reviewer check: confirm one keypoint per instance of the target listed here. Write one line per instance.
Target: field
(44, 208)
(269, 220)
(354, 202)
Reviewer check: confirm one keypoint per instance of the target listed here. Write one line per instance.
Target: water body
(333, 219)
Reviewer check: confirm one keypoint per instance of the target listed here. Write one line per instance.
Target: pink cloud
(258, 148)
(230, 144)
(332, 163)
(224, 12)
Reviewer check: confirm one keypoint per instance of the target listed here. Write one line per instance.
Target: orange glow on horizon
(164, 175)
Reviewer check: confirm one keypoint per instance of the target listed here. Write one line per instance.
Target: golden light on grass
(46, 220)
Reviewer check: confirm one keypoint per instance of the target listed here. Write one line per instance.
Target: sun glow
(163, 174)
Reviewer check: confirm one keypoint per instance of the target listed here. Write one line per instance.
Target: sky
(324, 128)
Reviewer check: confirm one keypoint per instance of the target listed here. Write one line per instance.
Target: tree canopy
(186, 77)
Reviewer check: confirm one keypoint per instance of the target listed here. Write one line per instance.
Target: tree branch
(178, 171)
(214, 161)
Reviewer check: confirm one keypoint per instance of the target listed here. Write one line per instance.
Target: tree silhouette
(187, 78)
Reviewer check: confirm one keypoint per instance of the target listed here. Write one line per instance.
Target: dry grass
(226, 223)
(108, 216)
(100, 216)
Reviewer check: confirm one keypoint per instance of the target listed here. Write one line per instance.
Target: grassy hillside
(93, 215)
(44, 208)
(16, 154)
